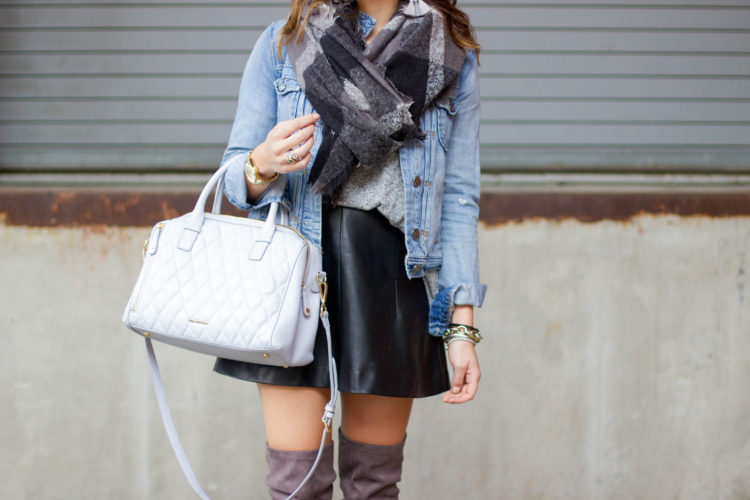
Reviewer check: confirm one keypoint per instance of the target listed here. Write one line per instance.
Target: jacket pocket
(447, 108)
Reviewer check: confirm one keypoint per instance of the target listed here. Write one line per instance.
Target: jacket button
(282, 86)
(417, 182)
(415, 268)
(415, 234)
(452, 106)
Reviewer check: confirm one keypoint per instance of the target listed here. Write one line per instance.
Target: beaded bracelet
(458, 331)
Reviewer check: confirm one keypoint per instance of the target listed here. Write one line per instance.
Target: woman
(362, 118)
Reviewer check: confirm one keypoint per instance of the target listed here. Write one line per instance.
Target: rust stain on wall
(35, 207)
(502, 208)
(84, 208)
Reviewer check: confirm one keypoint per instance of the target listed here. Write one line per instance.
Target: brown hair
(457, 21)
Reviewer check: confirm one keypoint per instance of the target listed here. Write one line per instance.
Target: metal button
(416, 268)
(452, 106)
(415, 234)
(282, 85)
(417, 182)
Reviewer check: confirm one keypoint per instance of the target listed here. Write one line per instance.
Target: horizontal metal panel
(484, 16)
(616, 65)
(491, 63)
(491, 182)
(111, 157)
(613, 158)
(217, 40)
(244, 39)
(136, 15)
(615, 86)
(517, 133)
(608, 16)
(492, 111)
(141, 133)
(521, 86)
(122, 110)
(532, 158)
(607, 40)
(87, 86)
(696, 112)
(613, 134)
(122, 63)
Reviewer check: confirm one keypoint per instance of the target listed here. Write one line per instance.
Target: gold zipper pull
(322, 280)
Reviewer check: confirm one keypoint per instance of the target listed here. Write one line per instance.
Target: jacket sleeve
(458, 278)
(254, 117)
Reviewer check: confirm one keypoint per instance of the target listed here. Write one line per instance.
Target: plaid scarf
(370, 96)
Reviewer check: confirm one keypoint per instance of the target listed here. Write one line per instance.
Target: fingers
(287, 127)
(467, 390)
(288, 139)
(293, 141)
(466, 373)
(293, 136)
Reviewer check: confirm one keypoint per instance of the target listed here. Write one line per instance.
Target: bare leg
(374, 419)
(292, 416)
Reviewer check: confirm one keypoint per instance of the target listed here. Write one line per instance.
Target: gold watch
(253, 174)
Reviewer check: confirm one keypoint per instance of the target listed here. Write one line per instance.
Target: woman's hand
(288, 137)
(463, 358)
(466, 374)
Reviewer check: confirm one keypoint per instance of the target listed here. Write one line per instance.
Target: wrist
(254, 174)
(260, 158)
(463, 314)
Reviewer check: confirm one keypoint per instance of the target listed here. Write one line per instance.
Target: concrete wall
(615, 366)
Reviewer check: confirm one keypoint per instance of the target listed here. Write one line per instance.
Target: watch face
(251, 172)
(253, 175)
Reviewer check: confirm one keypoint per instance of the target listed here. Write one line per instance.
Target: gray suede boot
(287, 469)
(369, 471)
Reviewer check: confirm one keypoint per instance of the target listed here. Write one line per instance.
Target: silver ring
(292, 157)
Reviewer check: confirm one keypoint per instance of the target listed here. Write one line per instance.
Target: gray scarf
(370, 96)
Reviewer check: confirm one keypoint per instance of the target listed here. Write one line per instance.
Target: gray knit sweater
(382, 188)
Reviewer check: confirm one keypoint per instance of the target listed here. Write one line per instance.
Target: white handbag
(231, 287)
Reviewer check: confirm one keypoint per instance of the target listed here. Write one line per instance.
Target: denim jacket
(440, 172)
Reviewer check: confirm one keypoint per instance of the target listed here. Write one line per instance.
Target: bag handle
(195, 221)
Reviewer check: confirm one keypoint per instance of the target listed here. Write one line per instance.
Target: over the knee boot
(369, 471)
(287, 469)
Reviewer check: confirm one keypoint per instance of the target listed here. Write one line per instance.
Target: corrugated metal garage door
(623, 87)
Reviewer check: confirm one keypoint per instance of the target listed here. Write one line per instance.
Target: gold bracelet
(457, 331)
(253, 174)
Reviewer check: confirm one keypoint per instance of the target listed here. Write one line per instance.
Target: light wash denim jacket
(440, 171)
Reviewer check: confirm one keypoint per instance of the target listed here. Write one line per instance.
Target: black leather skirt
(378, 317)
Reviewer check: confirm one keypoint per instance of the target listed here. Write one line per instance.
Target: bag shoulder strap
(174, 438)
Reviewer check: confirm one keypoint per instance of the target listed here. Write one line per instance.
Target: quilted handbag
(232, 287)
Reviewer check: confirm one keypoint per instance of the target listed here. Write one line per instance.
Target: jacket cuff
(446, 299)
